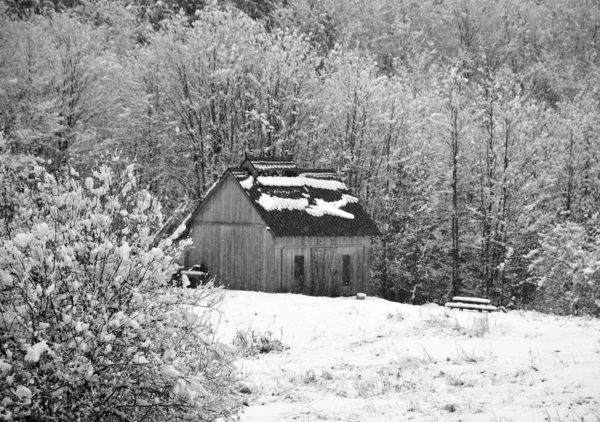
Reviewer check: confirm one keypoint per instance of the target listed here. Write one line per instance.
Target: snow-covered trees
(59, 81)
(89, 327)
(566, 267)
(468, 128)
(217, 88)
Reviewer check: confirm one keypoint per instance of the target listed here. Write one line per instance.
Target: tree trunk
(455, 234)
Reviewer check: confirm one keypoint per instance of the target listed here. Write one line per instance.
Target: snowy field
(374, 360)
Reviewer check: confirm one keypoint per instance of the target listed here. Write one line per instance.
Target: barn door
(321, 271)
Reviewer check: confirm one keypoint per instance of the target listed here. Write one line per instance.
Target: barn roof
(303, 202)
(294, 202)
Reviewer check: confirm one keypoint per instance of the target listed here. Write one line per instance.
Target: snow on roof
(274, 165)
(322, 208)
(301, 180)
(181, 228)
(319, 175)
(210, 189)
(349, 199)
(247, 183)
(275, 203)
(314, 203)
(322, 183)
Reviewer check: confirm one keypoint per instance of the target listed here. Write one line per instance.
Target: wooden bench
(471, 303)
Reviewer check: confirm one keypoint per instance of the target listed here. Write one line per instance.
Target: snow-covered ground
(374, 360)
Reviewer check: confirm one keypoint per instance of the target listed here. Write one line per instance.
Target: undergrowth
(251, 343)
(447, 322)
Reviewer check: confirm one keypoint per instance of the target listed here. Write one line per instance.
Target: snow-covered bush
(566, 268)
(251, 343)
(89, 329)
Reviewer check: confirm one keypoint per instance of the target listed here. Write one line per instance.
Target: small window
(346, 273)
(299, 271)
(186, 259)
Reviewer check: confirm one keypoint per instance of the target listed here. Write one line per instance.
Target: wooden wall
(330, 249)
(229, 203)
(233, 243)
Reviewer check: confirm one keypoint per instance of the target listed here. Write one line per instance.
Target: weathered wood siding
(320, 252)
(229, 203)
(232, 241)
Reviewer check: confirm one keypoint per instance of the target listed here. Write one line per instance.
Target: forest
(469, 128)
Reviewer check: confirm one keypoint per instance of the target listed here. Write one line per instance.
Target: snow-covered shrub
(89, 329)
(310, 377)
(443, 322)
(250, 343)
(448, 323)
(395, 316)
(566, 268)
(480, 327)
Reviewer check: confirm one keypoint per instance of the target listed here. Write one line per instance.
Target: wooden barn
(270, 226)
